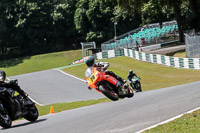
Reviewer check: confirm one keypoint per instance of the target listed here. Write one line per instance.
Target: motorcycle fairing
(10, 103)
(94, 76)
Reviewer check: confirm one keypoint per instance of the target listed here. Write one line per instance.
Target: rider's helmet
(89, 61)
(2, 76)
(130, 72)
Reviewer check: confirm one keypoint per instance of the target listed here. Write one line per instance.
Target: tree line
(186, 12)
(29, 27)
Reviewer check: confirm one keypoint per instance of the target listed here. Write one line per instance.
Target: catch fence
(192, 43)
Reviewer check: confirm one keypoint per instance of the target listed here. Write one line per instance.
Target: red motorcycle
(106, 84)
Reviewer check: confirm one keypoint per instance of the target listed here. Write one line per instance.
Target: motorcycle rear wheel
(108, 93)
(32, 114)
(5, 120)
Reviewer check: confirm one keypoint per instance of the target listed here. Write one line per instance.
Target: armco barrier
(105, 54)
(110, 54)
(188, 63)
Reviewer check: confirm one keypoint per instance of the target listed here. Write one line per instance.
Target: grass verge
(58, 107)
(189, 123)
(181, 54)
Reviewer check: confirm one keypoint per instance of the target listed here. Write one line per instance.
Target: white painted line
(171, 119)
(35, 101)
(31, 98)
(70, 75)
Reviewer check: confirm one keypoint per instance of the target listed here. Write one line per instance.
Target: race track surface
(52, 86)
(124, 116)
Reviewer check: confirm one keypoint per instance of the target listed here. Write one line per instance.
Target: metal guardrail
(192, 43)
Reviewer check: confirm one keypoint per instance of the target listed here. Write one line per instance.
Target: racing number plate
(92, 78)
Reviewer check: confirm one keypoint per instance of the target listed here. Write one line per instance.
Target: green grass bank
(188, 123)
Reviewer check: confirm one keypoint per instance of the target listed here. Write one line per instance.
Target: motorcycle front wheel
(138, 87)
(5, 119)
(32, 114)
(109, 93)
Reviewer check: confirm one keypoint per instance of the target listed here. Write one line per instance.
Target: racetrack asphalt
(53, 86)
(124, 116)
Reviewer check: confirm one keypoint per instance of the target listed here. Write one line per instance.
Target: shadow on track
(12, 62)
(24, 124)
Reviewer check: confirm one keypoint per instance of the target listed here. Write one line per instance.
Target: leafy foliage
(29, 27)
(36, 27)
(157, 6)
(154, 12)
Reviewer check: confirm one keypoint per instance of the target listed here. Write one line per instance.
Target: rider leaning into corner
(130, 76)
(11, 84)
(90, 62)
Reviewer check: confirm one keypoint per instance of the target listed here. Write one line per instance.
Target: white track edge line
(32, 98)
(63, 73)
(35, 101)
(166, 121)
(71, 75)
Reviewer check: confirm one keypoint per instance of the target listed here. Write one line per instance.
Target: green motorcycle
(135, 84)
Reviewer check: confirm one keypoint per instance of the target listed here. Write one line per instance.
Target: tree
(195, 8)
(80, 17)
(177, 11)
(175, 4)
(7, 29)
(95, 19)
(154, 12)
(100, 16)
(63, 34)
(46, 26)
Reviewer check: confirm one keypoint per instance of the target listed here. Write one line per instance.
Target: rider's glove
(13, 82)
(24, 94)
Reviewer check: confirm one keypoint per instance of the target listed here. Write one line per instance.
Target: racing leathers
(14, 85)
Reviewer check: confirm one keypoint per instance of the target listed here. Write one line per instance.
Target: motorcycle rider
(90, 62)
(11, 84)
(131, 76)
